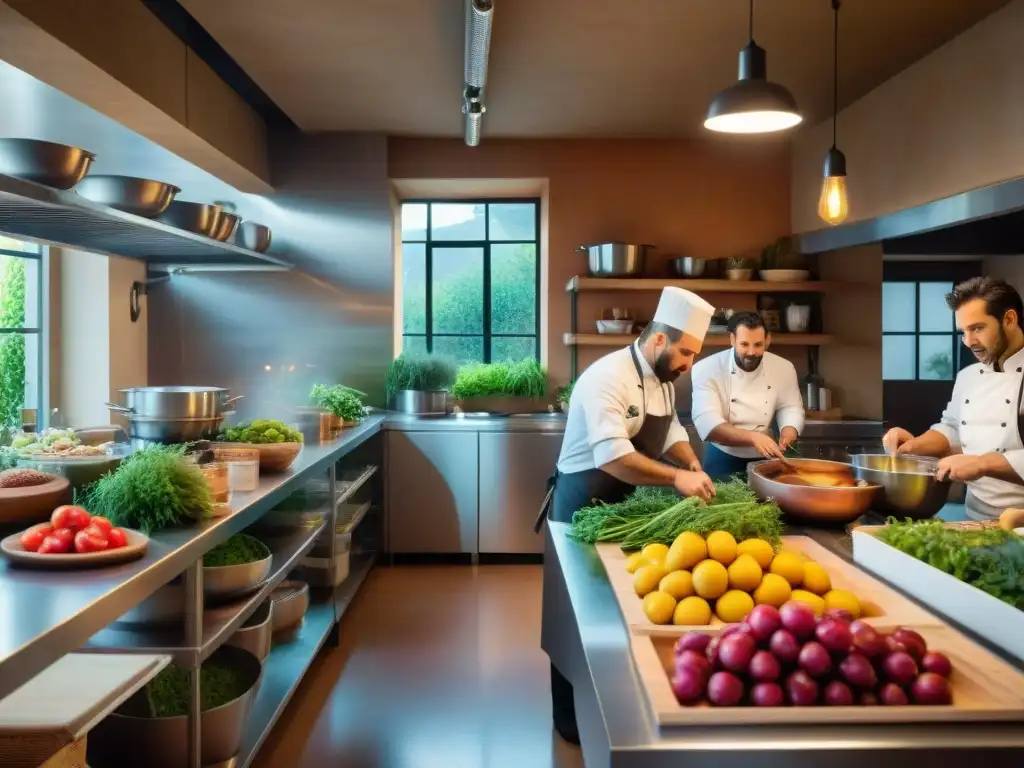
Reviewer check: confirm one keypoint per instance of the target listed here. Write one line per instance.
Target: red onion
(725, 689)
(688, 684)
(932, 689)
(764, 667)
(834, 634)
(866, 639)
(856, 669)
(838, 694)
(693, 641)
(712, 650)
(916, 646)
(798, 618)
(801, 689)
(838, 613)
(698, 662)
(736, 651)
(936, 662)
(900, 667)
(891, 695)
(763, 621)
(767, 695)
(868, 699)
(814, 659)
(785, 646)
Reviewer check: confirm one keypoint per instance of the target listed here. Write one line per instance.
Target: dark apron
(571, 491)
(720, 465)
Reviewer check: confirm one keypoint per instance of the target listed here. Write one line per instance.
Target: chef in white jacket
(978, 438)
(739, 393)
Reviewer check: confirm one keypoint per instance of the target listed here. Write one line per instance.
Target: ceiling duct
(478, 46)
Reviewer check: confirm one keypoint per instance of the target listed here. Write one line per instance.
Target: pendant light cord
(751, 20)
(835, 70)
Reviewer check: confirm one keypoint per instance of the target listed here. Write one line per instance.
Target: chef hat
(684, 311)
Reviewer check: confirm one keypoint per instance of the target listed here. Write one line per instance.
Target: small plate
(134, 549)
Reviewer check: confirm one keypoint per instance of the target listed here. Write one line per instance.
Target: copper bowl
(808, 502)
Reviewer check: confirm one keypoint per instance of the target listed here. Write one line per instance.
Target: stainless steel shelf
(348, 487)
(33, 212)
(219, 622)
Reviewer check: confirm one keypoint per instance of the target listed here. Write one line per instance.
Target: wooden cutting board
(62, 703)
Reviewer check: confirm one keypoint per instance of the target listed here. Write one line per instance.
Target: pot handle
(232, 400)
(581, 248)
(120, 409)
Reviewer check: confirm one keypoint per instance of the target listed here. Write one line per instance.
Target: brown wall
(689, 198)
(949, 123)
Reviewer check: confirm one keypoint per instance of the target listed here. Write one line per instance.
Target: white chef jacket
(606, 411)
(983, 416)
(725, 393)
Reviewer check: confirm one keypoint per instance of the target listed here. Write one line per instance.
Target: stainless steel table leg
(194, 639)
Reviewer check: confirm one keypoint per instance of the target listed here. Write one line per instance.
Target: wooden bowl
(274, 457)
(34, 503)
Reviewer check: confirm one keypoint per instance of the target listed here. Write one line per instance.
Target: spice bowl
(291, 601)
(256, 633)
(235, 580)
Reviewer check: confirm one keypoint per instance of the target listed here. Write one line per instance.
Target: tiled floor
(438, 667)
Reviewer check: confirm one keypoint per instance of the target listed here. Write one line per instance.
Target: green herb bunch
(991, 559)
(152, 489)
(240, 549)
(428, 373)
(341, 401)
(564, 393)
(525, 378)
(260, 431)
(658, 515)
(168, 692)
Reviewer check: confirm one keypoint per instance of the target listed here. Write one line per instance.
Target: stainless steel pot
(172, 430)
(616, 259)
(176, 402)
(414, 401)
(44, 162)
(909, 486)
(142, 197)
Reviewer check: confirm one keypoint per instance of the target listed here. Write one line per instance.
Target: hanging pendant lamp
(834, 205)
(753, 104)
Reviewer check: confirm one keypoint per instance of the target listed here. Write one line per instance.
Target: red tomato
(88, 541)
(64, 534)
(67, 516)
(102, 523)
(95, 531)
(33, 537)
(117, 538)
(52, 545)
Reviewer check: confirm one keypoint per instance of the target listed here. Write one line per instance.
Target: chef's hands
(962, 467)
(693, 483)
(765, 445)
(695, 466)
(787, 437)
(898, 440)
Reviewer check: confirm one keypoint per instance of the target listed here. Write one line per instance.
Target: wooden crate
(883, 607)
(988, 617)
(985, 688)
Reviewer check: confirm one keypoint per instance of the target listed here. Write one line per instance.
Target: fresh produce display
(73, 530)
(989, 558)
(659, 515)
(152, 489)
(260, 431)
(238, 550)
(52, 442)
(525, 378)
(700, 577)
(24, 478)
(426, 373)
(167, 694)
(343, 402)
(788, 656)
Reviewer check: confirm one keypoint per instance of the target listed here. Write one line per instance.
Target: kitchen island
(585, 636)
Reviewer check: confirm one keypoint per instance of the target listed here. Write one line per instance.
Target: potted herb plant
(781, 264)
(343, 403)
(506, 387)
(419, 384)
(739, 269)
(562, 396)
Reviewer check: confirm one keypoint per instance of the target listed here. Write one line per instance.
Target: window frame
(956, 349)
(40, 330)
(486, 335)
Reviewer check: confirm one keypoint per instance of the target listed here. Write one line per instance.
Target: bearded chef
(978, 438)
(623, 432)
(739, 393)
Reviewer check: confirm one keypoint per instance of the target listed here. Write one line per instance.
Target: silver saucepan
(175, 402)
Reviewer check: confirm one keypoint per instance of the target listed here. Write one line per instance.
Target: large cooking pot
(175, 402)
(909, 487)
(616, 259)
(175, 430)
(809, 502)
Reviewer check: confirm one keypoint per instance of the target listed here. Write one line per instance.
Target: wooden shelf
(580, 283)
(711, 340)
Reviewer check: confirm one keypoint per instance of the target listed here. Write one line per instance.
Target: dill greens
(168, 692)
(650, 515)
(525, 378)
(991, 559)
(237, 550)
(152, 489)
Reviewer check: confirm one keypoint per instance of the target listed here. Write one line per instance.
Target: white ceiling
(563, 68)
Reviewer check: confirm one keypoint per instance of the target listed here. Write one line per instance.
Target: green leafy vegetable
(260, 431)
(658, 514)
(152, 489)
(525, 378)
(168, 692)
(428, 373)
(344, 402)
(238, 550)
(991, 559)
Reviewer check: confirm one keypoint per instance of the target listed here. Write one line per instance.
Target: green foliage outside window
(12, 345)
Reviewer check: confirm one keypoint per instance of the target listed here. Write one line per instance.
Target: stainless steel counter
(46, 614)
(524, 422)
(584, 634)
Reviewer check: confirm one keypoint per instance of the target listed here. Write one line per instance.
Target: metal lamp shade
(752, 104)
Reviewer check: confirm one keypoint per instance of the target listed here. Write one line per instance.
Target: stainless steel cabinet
(514, 469)
(432, 492)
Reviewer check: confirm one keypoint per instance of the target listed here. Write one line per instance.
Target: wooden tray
(882, 606)
(133, 550)
(985, 688)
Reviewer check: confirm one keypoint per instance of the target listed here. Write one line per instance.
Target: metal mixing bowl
(201, 218)
(256, 634)
(235, 580)
(810, 503)
(142, 197)
(44, 162)
(227, 225)
(253, 236)
(688, 266)
(616, 259)
(909, 487)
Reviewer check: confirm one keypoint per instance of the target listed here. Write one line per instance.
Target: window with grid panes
(22, 319)
(919, 337)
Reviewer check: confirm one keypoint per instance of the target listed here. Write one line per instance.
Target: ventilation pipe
(478, 46)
